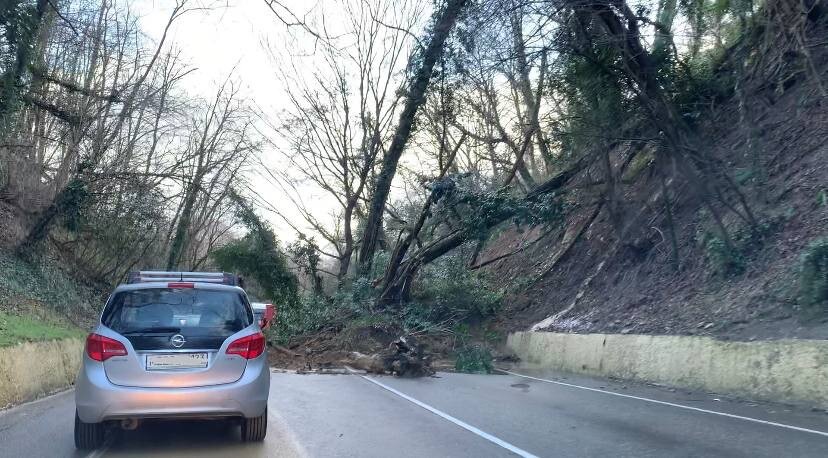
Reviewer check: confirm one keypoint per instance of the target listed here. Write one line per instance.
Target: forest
(450, 169)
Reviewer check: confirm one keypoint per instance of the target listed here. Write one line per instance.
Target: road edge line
(100, 451)
(671, 404)
(495, 440)
(276, 421)
(36, 401)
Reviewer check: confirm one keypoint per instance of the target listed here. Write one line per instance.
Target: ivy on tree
(258, 256)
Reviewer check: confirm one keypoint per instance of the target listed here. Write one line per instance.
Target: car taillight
(180, 285)
(248, 347)
(101, 348)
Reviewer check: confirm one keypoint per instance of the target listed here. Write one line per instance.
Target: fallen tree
(404, 357)
(396, 284)
(414, 99)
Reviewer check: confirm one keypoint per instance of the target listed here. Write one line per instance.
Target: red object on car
(270, 314)
(265, 313)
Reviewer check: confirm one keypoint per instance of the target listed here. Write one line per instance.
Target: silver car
(173, 345)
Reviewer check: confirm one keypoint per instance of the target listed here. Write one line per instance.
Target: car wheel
(254, 429)
(88, 436)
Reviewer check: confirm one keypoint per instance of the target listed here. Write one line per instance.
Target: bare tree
(108, 155)
(340, 119)
(100, 124)
(217, 148)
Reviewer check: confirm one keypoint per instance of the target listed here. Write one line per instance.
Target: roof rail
(146, 276)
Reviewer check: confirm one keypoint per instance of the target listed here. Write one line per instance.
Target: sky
(217, 42)
(235, 36)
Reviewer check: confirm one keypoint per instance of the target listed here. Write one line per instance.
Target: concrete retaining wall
(29, 370)
(794, 371)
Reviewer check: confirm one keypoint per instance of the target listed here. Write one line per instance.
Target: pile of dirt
(405, 357)
(580, 279)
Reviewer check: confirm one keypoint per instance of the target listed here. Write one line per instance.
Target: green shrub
(453, 291)
(728, 262)
(43, 280)
(308, 314)
(259, 257)
(311, 312)
(445, 293)
(724, 261)
(419, 317)
(813, 277)
(474, 360)
(16, 329)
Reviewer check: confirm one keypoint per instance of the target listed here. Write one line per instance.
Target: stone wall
(31, 370)
(794, 371)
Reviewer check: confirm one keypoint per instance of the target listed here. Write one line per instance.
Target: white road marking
(287, 443)
(100, 451)
(34, 402)
(460, 423)
(680, 406)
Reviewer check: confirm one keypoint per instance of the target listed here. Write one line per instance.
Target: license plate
(176, 361)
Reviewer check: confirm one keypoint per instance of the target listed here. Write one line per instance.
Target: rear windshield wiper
(156, 330)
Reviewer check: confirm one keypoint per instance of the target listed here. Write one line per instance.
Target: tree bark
(402, 247)
(663, 33)
(415, 98)
(179, 243)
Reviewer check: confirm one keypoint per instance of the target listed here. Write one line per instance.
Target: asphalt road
(451, 415)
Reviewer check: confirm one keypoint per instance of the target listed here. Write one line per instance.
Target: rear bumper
(97, 399)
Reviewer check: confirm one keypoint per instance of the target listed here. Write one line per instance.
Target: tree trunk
(612, 194)
(179, 242)
(415, 98)
(531, 101)
(10, 92)
(348, 250)
(663, 33)
(402, 247)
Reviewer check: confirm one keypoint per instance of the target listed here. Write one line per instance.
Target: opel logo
(177, 341)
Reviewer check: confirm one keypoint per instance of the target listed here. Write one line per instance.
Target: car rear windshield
(174, 309)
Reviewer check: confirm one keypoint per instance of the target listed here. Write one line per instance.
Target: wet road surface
(449, 415)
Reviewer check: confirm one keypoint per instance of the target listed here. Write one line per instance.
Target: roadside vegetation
(40, 301)
(814, 278)
(18, 329)
(443, 304)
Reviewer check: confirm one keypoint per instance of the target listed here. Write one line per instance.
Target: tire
(88, 436)
(254, 429)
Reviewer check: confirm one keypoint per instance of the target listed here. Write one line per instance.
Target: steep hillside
(41, 297)
(604, 282)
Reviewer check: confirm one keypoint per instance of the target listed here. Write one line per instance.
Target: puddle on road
(523, 386)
